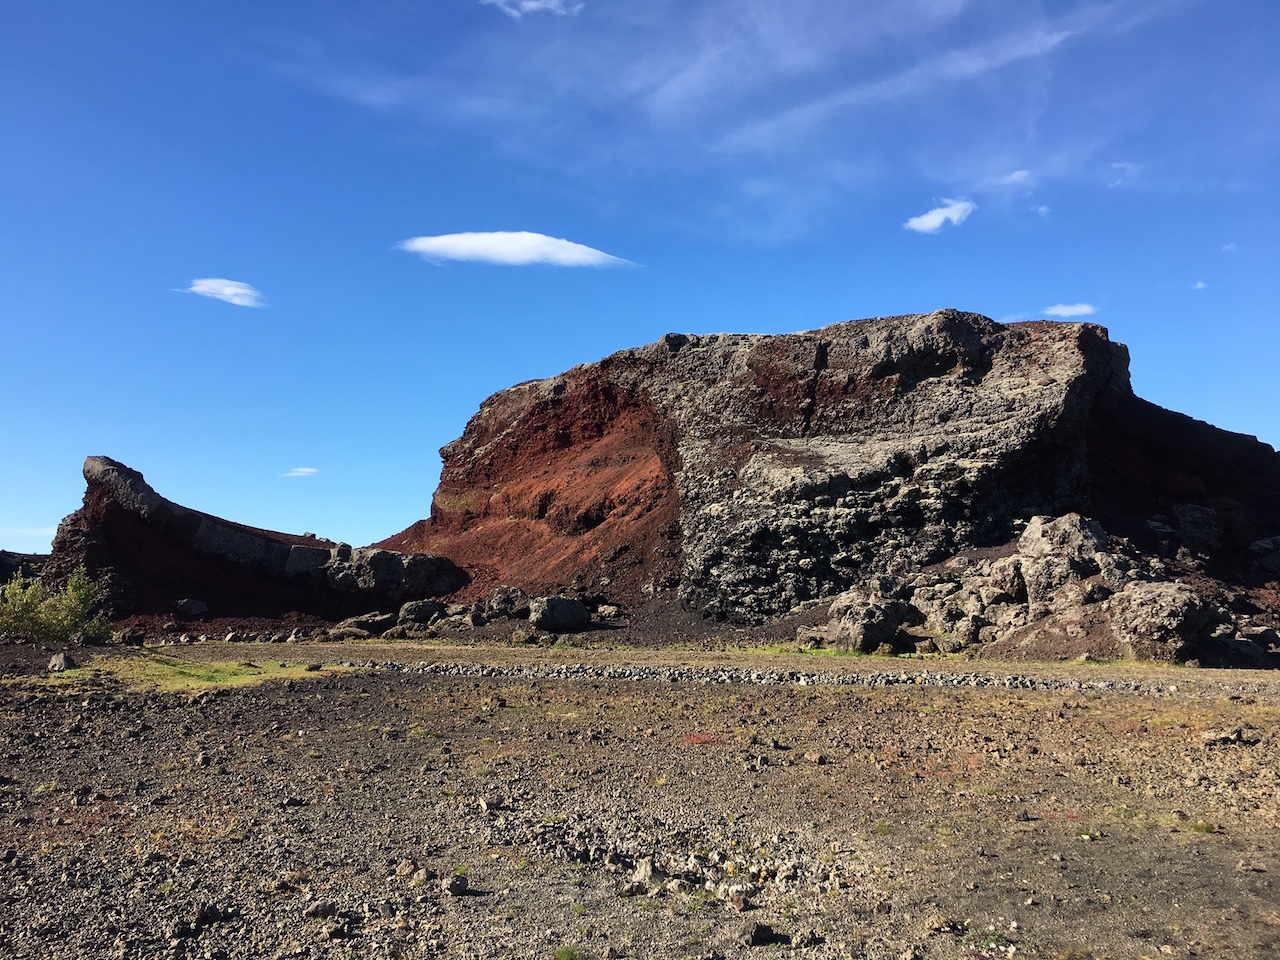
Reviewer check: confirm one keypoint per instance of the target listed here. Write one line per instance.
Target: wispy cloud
(28, 531)
(708, 100)
(301, 472)
(1199, 285)
(1042, 210)
(1019, 178)
(1125, 174)
(1230, 247)
(953, 211)
(1070, 310)
(962, 64)
(518, 8)
(229, 291)
(519, 248)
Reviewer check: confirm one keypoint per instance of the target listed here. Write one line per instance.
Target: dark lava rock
(747, 474)
(558, 614)
(153, 555)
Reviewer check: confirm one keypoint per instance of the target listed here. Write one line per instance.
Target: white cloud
(1070, 310)
(1199, 285)
(956, 211)
(230, 291)
(518, 8)
(517, 248)
(1230, 247)
(301, 472)
(1042, 210)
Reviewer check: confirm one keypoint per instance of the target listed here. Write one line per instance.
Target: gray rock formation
(1066, 588)
(558, 614)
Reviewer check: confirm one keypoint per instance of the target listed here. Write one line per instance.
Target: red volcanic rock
(568, 482)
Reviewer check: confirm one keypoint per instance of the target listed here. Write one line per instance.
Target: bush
(30, 609)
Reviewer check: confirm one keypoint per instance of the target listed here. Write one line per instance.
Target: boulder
(371, 623)
(1266, 554)
(420, 612)
(866, 628)
(511, 603)
(1160, 621)
(559, 614)
(1201, 528)
(188, 607)
(1072, 536)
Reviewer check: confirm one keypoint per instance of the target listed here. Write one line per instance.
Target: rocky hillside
(750, 474)
(953, 481)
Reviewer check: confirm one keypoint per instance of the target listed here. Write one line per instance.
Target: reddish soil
(579, 495)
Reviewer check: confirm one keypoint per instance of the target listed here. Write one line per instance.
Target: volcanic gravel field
(307, 800)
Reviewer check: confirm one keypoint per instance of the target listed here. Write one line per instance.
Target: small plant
(566, 952)
(30, 609)
(984, 944)
(579, 909)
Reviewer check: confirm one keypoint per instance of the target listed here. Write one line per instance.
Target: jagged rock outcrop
(1065, 590)
(750, 474)
(28, 564)
(156, 556)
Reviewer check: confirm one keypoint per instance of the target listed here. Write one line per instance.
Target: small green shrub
(985, 944)
(30, 609)
(568, 953)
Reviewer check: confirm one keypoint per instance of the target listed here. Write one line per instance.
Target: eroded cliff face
(568, 482)
(152, 554)
(752, 473)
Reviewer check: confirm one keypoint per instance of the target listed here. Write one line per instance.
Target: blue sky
(275, 255)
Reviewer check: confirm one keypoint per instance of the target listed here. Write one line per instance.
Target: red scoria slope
(546, 493)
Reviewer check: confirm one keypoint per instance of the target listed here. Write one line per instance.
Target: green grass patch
(156, 671)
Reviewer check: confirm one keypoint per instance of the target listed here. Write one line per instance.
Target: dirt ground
(304, 800)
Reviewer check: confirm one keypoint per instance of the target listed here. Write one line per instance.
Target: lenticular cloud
(519, 248)
(1070, 310)
(955, 211)
(229, 291)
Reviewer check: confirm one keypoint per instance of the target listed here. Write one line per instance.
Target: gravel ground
(612, 803)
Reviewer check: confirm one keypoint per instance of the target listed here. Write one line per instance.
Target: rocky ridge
(943, 481)
(157, 555)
